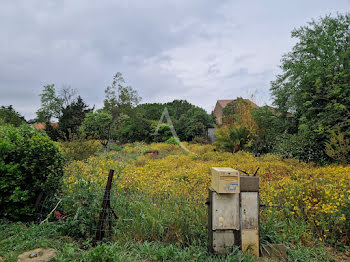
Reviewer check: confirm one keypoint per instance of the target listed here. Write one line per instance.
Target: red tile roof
(223, 103)
(41, 125)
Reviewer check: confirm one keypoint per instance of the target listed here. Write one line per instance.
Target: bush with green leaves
(232, 138)
(99, 125)
(338, 147)
(271, 124)
(200, 140)
(188, 120)
(172, 140)
(301, 147)
(163, 133)
(133, 128)
(81, 207)
(30, 163)
(79, 147)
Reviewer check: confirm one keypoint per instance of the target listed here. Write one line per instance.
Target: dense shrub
(200, 140)
(163, 133)
(271, 125)
(188, 120)
(99, 125)
(301, 147)
(113, 147)
(172, 140)
(232, 138)
(338, 147)
(52, 131)
(79, 147)
(81, 208)
(30, 163)
(132, 129)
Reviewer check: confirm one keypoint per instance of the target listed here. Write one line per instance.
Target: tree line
(121, 119)
(310, 119)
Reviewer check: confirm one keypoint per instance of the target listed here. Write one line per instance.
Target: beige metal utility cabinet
(233, 211)
(225, 180)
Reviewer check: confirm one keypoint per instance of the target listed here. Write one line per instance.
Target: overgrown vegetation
(79, 147)
(160, 203)
(320, 196)
(17, 237)
(30, 164)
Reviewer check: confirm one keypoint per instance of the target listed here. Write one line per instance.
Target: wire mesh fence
(105, 215)
(45, 205)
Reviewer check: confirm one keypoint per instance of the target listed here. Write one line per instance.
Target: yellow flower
(305, 190)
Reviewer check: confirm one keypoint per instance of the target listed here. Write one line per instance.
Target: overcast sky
(198, 50)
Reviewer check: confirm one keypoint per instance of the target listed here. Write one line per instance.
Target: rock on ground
(37, 255)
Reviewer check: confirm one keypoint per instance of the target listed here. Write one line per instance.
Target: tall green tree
(99, 125)
(193, 123)
(272, 126)
(120, 99)
(178, 108)
(315, 81)
(51, 104)
(150, 111)
(8, 115)
(188, 120)
(131, 129)
(72, 117)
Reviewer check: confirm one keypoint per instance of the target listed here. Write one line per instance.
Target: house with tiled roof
(221, 104)
(42, 125)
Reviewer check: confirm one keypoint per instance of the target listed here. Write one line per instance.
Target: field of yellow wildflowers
(318, 197)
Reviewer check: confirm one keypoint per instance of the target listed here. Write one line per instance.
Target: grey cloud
(195, 50)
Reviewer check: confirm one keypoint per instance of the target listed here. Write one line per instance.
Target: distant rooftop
(42, 125)
(223, 103)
